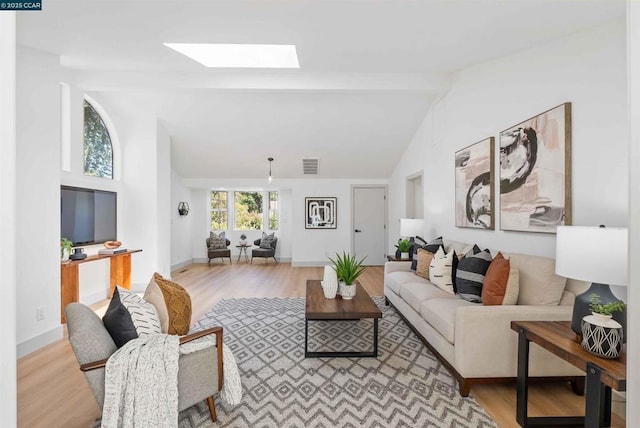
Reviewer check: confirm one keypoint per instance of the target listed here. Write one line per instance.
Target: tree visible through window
(98, 151)
(274, 211)
(219, 213)
(248, 210)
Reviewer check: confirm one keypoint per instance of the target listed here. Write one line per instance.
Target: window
(274, 211)
(219, 210)
(98, 150)
(248, 210)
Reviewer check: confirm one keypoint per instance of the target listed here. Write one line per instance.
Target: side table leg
(375, 337)
(523, 379)
(597, 409)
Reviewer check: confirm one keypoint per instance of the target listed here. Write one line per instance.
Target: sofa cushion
(539, 284)
(394, 280)
(414, 293)
(470, 275)
(424, 261)
(441, 314)
(441, 270)
(217, 242)
(431, 246)
(501, 283)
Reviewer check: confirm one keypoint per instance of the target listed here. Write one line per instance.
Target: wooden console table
(70, 277)
(602, 374)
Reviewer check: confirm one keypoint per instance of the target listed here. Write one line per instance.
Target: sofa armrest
(396, 266)
(485, 345)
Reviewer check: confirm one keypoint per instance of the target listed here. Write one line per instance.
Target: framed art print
(474, 185)
(320, 213)
(535, 172)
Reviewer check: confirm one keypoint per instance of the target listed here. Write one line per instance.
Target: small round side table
(243, 250)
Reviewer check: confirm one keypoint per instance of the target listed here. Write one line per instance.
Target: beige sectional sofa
(476, 342)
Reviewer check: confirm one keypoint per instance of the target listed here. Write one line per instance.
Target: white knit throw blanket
(141, 384)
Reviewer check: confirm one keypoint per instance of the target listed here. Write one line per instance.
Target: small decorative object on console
(112, 244)
(78, 254)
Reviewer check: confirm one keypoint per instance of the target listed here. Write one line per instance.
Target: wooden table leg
(120, 272)
(69, 286)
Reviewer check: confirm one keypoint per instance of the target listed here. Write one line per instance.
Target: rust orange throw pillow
(501, 283)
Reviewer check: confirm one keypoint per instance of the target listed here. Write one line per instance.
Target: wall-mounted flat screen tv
(88, 216)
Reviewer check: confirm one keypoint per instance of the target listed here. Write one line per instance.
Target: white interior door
(369, 224)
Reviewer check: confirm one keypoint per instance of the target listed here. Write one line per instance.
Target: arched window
(98, 150)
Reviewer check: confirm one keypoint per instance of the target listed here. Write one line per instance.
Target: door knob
(358, 230)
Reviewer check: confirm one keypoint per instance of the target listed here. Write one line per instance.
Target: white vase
(404, 255)
(330, 289)
(65, 254)
(243, 242)
(602, 335)
(347, 291)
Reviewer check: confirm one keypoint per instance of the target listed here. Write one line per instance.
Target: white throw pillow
(143, 314)
(440, 270)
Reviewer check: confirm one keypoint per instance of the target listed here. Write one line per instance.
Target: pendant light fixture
(270, 160)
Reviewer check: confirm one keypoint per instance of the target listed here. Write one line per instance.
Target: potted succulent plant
(65, 249)
(602, 335)
(403, 246)
(348, 269)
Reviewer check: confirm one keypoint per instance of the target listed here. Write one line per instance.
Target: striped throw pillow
(143, 314)
(470, 275)
(440, 270)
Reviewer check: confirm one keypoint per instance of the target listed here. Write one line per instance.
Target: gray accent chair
(199, 373)
(266, 253)
(218, 253)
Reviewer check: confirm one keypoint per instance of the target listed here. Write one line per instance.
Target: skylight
(239, 56)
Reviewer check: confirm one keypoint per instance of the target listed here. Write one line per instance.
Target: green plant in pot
(606, 309)
(65, 248)
(348, 269)
(602, 335)
(403, 246)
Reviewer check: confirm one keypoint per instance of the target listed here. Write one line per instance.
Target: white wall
(303, 247)
(633, 323)
(181, 225)
(589, 70)
(8, 222)
(163, 203)
(37, 247)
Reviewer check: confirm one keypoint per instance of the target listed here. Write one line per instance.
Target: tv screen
(87, 216)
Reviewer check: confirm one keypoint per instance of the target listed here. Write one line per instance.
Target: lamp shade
(594, 254)
(411, 226)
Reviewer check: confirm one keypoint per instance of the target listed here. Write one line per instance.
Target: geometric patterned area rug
(405, 386)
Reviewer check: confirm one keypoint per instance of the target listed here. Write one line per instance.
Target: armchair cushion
(117, 320)
(178, 305)
(217, 242)
(267, 241)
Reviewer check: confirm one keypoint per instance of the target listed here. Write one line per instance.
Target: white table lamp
(598, 255)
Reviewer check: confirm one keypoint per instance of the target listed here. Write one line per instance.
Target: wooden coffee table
(320, 308)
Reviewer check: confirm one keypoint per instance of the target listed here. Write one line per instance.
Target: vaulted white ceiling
(369, 71)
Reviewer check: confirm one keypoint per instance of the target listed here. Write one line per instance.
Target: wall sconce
(183, 208)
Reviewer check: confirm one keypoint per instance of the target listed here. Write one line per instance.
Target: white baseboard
(95, 297)
(37, 342)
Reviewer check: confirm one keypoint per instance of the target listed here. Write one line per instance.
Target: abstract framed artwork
(535, 172)
(320, 213)
(475, 185)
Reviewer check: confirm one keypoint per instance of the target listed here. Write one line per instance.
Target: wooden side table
(602, 374)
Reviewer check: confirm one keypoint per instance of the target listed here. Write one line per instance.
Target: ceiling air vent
(310, 166)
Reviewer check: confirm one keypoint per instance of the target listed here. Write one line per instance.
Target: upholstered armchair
(199, 373)
(220, 252)
(266, 253)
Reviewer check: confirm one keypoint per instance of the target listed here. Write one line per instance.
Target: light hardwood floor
(52, 391)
